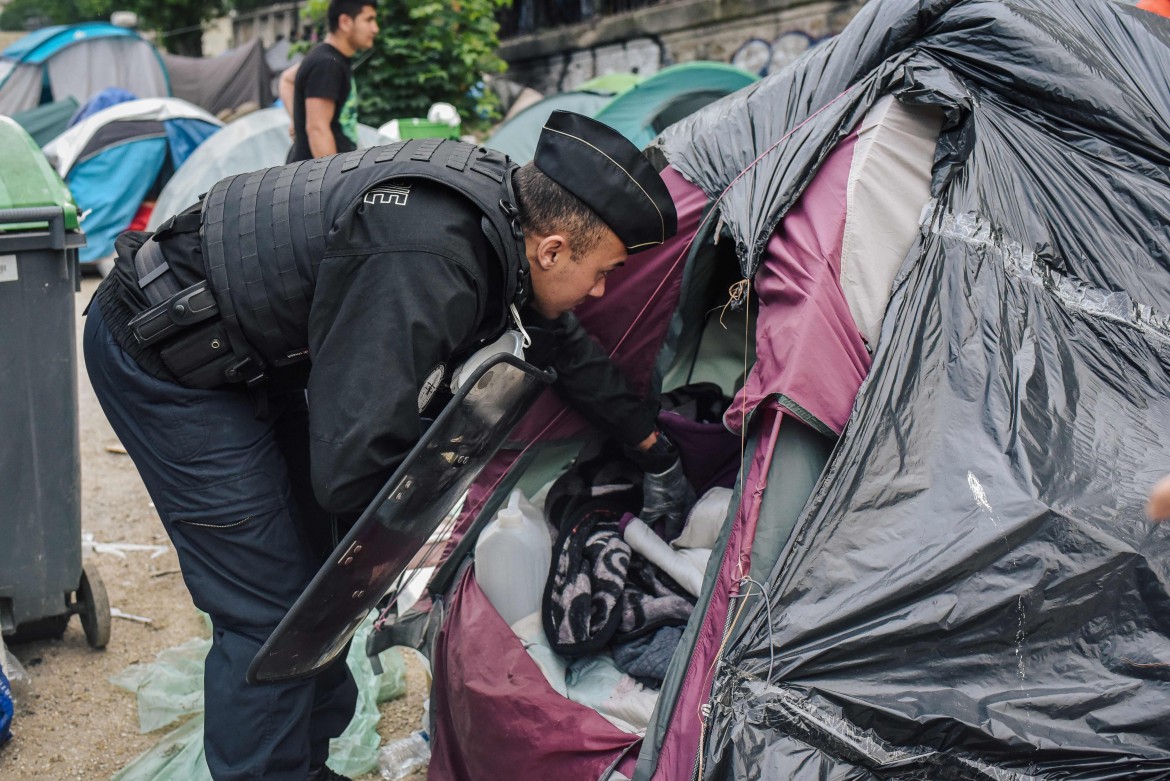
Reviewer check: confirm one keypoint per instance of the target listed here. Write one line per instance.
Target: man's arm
(378, 326)
(591, 383)
(318, 121)
(286, 90)
(1158, 507)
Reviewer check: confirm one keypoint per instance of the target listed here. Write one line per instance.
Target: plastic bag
(6, 708)
(171, 689)
(355, 751)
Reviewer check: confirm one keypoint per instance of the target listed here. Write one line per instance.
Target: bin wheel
(48, 628)
(93, 607)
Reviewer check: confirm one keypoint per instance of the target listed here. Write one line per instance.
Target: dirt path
(71, 722)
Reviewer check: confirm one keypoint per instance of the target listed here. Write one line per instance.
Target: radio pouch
(200, 356)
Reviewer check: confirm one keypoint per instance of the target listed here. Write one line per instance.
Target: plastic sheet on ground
(170, 689)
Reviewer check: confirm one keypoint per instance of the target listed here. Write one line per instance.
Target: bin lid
(27, 179)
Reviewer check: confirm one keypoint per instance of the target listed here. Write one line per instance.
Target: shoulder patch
(388, 195)
(430, 385)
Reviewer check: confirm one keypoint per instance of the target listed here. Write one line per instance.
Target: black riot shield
(400, 519)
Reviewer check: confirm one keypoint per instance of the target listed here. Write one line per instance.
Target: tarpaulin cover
(973, 591)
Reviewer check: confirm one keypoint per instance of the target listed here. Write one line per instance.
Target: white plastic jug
(512, 558)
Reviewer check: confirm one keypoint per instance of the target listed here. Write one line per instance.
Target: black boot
(325, 773)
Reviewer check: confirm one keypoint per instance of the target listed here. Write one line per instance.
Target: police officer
(364, 278)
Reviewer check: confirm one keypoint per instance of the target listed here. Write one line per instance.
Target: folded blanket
(581, 607)
(650, 600)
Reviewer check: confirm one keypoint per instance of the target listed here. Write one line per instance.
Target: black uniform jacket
(404, 288)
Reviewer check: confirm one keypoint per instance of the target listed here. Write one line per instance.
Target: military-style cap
(598, 165)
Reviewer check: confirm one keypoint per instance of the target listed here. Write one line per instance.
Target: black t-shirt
(324, 73)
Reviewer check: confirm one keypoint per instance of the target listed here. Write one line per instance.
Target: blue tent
(123, 155)
(77, 61)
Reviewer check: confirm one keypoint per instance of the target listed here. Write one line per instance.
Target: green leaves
(429, 51)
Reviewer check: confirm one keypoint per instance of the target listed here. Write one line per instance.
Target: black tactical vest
(264, 233)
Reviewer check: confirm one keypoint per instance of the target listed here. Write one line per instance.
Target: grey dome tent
(639, 110)
(954, 398)
(254, 141)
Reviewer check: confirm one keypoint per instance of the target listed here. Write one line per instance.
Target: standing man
(359, 277)
(324, 104)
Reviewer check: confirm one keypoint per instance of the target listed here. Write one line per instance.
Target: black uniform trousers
(234, 496)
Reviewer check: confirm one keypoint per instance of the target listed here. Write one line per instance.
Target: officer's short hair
(350, 8)
(547, 208)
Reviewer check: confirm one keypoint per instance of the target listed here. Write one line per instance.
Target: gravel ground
(71, 722)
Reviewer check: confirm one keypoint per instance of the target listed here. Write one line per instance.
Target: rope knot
(737, 297)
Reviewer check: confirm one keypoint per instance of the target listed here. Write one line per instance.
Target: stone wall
(760, 36)
(270, 24)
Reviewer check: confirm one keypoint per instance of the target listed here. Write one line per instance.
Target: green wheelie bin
(42, 580)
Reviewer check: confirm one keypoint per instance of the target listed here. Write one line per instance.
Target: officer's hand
(666, 494)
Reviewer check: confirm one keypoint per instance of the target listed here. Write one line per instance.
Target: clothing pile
(619, 590)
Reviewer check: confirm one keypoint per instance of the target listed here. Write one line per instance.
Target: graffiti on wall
(762, 57)
(642, 55)
(645, 55)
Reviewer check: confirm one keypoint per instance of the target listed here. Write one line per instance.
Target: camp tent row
(72, 63)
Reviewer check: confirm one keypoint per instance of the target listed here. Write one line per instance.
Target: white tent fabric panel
(80, 71)
(20, 87)
(889, 184)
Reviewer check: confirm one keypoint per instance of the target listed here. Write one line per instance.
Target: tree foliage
(20, 15)
(177, 22)
(428, 51)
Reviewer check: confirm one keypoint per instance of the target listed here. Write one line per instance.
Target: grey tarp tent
(224, 83)
(972, 590)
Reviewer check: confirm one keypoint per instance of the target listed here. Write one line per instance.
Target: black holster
(186, 325)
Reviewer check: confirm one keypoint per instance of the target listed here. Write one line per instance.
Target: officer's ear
(551, 250)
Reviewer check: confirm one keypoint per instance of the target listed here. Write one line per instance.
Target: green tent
(659, 101)
(517, 136)
(613, 83)
(48, 120)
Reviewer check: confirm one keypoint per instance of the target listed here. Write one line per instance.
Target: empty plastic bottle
(512, 557)
(402, 757)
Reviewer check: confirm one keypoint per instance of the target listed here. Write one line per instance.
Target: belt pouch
(199, 357)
